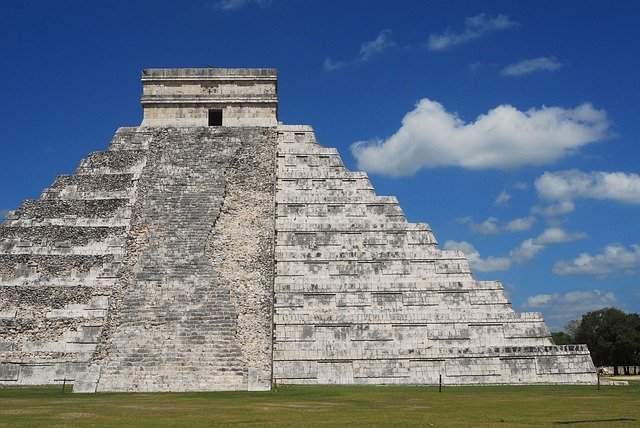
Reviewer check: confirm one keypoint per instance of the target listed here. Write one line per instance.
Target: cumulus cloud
(573, 184)
(520, 224)
(614, 259)
(236, 4)
(526, 251)
(502, 198)
(554, 210)
(561, 308)
(474, 27)
(368, 50)
(503, 138)
(477, 263)
(491, 227)
(487, 227)
(556, 235)
(527, 66)
(530, 248)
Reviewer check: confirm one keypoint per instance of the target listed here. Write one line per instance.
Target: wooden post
(599, 379)
(440, 384)
(64, 382)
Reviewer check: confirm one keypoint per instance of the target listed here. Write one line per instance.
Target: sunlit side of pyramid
(213, 248)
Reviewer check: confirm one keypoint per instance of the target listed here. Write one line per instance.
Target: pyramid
(214, 248)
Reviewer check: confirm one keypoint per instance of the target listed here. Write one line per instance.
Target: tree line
(612, 335)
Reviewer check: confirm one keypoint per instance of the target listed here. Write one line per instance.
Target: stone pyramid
(213, 248)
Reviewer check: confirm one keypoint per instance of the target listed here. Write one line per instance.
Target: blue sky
(510, 127)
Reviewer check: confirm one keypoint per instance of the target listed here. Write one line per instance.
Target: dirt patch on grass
(308, 406)
(71, 415)
(19, 411)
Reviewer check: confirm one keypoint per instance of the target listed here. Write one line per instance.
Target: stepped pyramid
(213, 248)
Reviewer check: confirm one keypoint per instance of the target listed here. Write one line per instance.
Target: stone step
(112, 162)
(131, 139)
(100, 182)
(102, 186)
(113, 244)
(24, 265)
(391, 239)
(52, 209)
(52, 234)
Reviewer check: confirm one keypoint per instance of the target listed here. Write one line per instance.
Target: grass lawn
(330, 406)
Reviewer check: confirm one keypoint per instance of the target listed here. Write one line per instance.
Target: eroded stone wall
(196, 314)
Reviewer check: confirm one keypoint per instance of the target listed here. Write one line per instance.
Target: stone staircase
(178, 328)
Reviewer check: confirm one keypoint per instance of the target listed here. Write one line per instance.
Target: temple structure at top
(210, 97)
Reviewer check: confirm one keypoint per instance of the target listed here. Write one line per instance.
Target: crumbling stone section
(196, 314)
(241, 249)
(364, 297)
(60, 257)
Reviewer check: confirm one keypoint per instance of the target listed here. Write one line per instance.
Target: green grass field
(330, 406)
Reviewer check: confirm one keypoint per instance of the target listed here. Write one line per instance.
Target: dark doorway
(215, 117)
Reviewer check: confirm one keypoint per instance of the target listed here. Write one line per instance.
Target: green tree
(613, 337)
(561, 338)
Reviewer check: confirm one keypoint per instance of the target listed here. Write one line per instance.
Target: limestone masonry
(213, 248)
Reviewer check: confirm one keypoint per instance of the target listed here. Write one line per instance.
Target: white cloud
(368, 50)
(520, 186)
(527, 66)
(3, 213)
(377, 46)
(614, 259)
(331, 65)
(527, 250)
(491, 227)
(503, 138)
(487, 227)
(530, 248)
(474, 27)
(553, 210)
(555, 235)
(520, 224)
(477, 263)
(560, 308)
(572, 184)
(236, 4)
(502, 198)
